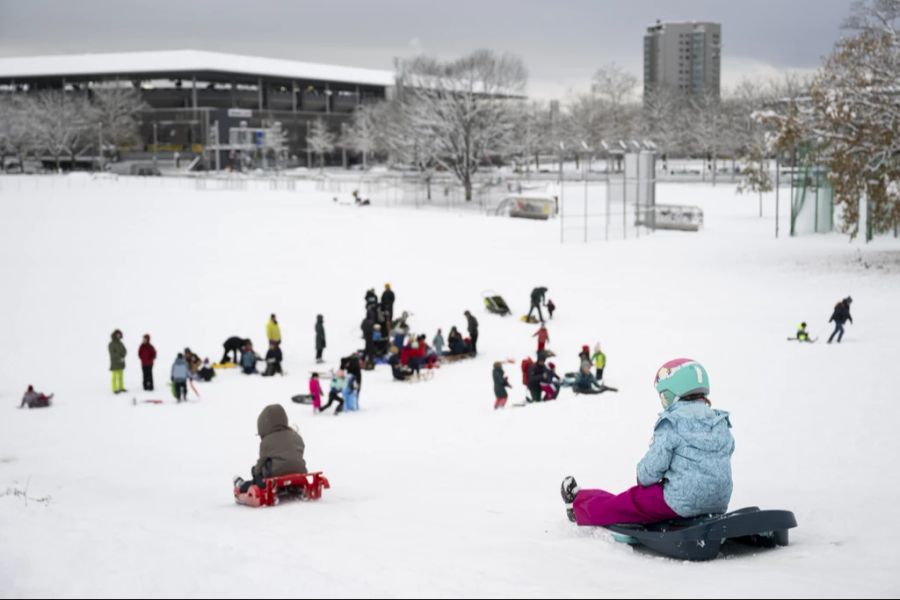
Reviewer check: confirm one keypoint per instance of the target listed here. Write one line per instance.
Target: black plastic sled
(701, 538)
(302, 398)
(496, 304)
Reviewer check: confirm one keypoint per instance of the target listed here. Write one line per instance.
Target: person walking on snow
(117, 355)
(147, 354)
(273, 331)
(537, 298)
(320, 338)
(473, 331)
(543, 336)
(687, 470)
(315, 390)
(840, 316)
(180, 374)
(500, 384)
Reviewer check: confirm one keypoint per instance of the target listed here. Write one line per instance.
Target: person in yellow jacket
(599, 360)
(273, 331)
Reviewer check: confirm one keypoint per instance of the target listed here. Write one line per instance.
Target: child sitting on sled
(687, 470)
(280, 449)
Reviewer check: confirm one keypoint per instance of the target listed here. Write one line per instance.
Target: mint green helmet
(680, 378)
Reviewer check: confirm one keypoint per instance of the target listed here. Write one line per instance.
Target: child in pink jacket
(315, 390)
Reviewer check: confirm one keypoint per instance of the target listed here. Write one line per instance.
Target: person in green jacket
(599, 360)
(117, 354)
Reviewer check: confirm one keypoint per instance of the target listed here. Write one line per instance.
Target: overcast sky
(562, 42)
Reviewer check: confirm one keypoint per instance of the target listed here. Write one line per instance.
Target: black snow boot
(568, 490)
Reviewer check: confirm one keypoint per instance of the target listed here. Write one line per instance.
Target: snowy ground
(433, 493)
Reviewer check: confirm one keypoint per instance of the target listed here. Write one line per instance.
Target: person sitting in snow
(586, 383)
(280, 449)
(273, 360)
(802, 333)
(33, 399)
(206, 372)
(551, 383)
(248, 359)
(456, 342)
(399, 371)
(687, 470)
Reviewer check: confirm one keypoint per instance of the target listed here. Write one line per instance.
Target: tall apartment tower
(686, 57)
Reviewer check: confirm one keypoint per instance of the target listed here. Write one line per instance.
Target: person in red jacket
(542, 338)
(147, 354)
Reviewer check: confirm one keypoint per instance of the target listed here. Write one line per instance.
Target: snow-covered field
(433, 493)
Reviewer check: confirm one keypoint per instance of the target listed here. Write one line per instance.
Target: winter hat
(597, 347)
(585, 348)
(552, 366)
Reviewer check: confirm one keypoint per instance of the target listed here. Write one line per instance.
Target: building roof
(180, 61)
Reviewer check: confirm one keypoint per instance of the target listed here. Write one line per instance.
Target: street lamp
(585, 170)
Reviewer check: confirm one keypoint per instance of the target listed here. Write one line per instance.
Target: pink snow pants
(635, 505)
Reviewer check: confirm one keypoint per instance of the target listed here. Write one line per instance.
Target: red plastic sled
(303, 486)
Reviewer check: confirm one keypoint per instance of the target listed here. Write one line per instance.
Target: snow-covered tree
(362, 134)
(16, 128)
(464, 107)
(531, 133)
(117, 112)
(662, 120)
(61, 122)
(320, 140)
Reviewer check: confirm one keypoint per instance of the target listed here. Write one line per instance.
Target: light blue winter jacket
(180, 370)
(691, 450)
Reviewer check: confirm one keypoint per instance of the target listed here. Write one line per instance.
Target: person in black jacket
(537, 298)
(536, 375)
(500, 385)
(273, 360)
(455, 342)
(371, 299)
(473, 331)
(234, 344)
(352, 366)
(840, 316)
(320, 337)
(387, 303)
(368, 329)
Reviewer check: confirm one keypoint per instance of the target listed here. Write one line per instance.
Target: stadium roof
(159, 63)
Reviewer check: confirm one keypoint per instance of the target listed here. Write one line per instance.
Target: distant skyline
(561, 43)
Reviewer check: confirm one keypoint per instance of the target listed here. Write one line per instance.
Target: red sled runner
(301, 486)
